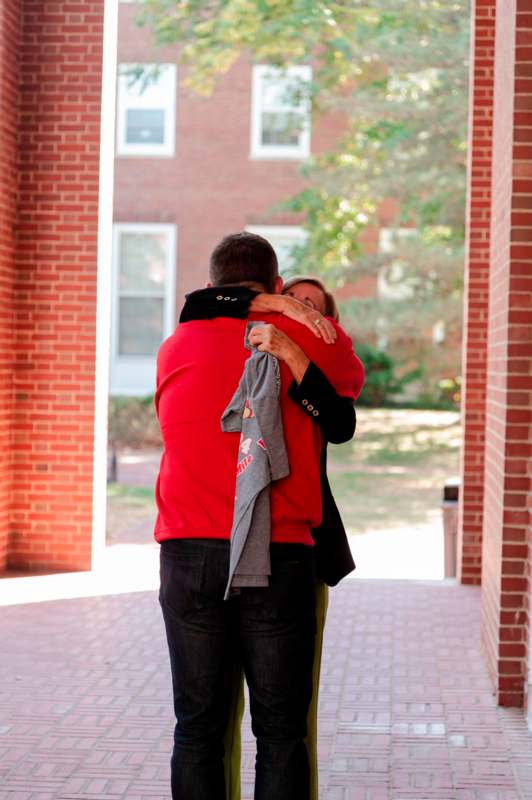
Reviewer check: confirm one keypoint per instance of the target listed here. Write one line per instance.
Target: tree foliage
(396, 71)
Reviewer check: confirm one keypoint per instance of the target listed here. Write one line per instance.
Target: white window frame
(386, 290)
(438, 332)
(295, 233)
(166, 99)
(257, 149)
(134, 375)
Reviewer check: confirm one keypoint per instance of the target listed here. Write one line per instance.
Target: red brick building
(54, 276)
(50, 96)
(495, 538)
(189, 169)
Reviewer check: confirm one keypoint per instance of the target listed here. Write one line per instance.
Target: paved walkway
(406, 710)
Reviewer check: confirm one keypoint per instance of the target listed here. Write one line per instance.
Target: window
(146, 110)
(389, 283)
(280, 112)
(438, 332)
(143, 303)
(283, 238)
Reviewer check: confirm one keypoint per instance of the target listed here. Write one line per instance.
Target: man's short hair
(244, 258)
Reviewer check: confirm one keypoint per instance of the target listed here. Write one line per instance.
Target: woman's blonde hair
(331, 309)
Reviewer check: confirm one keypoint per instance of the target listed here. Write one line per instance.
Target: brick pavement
(406, 709)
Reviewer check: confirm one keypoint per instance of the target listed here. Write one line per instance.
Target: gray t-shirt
(255, 411)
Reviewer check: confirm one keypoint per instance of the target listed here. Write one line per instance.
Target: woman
(305, 299)
(311, 291)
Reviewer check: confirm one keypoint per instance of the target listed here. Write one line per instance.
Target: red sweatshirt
(198, 370)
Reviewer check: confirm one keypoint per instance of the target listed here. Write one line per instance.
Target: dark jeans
(271, 632)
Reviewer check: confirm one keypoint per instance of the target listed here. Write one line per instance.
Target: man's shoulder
(203, 336)
(199, 327)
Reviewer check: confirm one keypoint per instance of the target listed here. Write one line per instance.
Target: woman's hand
(269, 339)
(320, 326)
(311, 317)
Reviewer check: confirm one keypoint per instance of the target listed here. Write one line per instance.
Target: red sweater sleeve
(337, 361)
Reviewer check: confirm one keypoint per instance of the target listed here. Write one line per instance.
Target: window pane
(145, 126)
(277, 92)
(284, 249)
(140, 330)
(142, 261)
(282, 128)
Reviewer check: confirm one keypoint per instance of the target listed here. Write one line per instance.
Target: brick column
(474, 352)
(9, 37)
(505, 582)
(528, 575)
(55, 291)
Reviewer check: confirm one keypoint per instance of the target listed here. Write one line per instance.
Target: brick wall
(528, 574)
(474, 349)
(505, 584)
(9, 31)
(55, 288)
(519, 439)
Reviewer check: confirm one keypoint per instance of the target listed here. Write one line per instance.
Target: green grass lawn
(391, 474)
(128, 507)
(137, 496)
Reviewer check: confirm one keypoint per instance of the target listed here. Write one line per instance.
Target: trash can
(450, 525)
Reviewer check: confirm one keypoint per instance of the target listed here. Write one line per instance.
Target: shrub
(450, 390)
(381, 382)
(133, 423)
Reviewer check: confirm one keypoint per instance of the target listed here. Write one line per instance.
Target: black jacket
(337, 420)
(335, 415)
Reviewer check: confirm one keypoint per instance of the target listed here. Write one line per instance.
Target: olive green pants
(232, 741)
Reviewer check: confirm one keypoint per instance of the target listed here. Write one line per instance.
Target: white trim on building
(389, 286)
(283, 239)
(277, 97)
(146, 109)
(438, 332)
(133, 373)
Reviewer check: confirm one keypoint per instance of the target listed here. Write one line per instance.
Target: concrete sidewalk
(406, 710)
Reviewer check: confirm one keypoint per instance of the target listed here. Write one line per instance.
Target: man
(270, 630)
